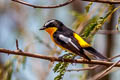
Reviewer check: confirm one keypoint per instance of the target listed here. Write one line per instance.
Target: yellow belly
(51, 31)
(57, 44)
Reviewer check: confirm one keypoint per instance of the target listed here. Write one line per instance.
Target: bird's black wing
(70, 44)
(93, 51)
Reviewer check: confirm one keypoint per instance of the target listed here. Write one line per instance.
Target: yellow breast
(81, 41)
(51, 31)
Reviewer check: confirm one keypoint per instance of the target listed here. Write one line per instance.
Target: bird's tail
(96, 53)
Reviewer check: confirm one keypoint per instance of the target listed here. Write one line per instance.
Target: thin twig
(108, 32)
(93, 67)
(46, 7)
(105, 1)
(83, 69)
(51, 58)
(66, 3)
(114, 57)
(17, 45)
(105, 72)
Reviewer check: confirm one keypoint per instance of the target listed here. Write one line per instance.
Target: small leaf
(61, 67)
(24, 61)
(57, 67)
(119, 20)
(9, 77)
(87, 8)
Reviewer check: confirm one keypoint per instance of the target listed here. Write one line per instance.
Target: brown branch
(17, 45)
(108, 32)
(83, 69)
(93, 67)
(114, 57)
(64, 4)
(105, 72)
(51, 58)
(105, 1)
(35, 6)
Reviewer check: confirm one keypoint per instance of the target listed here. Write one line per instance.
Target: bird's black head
(52, 23)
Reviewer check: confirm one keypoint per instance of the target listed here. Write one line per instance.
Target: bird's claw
(74, 60)
(62, 58)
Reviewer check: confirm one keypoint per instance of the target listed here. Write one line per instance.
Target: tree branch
(83, 69)
(93, 67)
(66, 3)
(105, 72)
(105, 1)
(114, 57)
(51, 58)
(108, 32)
(46, 7)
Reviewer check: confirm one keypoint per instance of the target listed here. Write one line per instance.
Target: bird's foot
(85, 60)
(62, 58)
(74, 60)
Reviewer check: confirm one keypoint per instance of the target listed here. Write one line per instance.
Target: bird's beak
(43, 28)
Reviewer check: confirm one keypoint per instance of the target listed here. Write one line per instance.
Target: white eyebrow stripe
(67, 40)
(49, 22)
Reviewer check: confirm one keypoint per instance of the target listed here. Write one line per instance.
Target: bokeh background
(22, 22)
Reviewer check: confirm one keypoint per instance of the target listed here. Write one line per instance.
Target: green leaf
(57, 66)
(89, 27)
(24, 61)
(87, 8)
(9, 77)
(93, 27)
(61, 70)
(119, 20)
(61, 67)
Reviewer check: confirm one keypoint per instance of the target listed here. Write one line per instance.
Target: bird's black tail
(96, 53)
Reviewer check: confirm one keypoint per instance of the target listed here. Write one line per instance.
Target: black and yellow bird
(68, 40)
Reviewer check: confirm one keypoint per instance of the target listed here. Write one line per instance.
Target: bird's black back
(69, 33)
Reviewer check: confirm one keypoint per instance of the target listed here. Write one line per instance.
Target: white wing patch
(64, 38)
(67, 40)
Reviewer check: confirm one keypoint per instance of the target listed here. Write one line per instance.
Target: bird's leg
(84, 59)
(63, 57)
(73, 58)
(67, 56)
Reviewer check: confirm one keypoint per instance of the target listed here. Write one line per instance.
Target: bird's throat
(51, 30)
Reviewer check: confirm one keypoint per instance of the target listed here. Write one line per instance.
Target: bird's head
(51, 26)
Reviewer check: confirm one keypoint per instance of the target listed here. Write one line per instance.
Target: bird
(69, 40)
